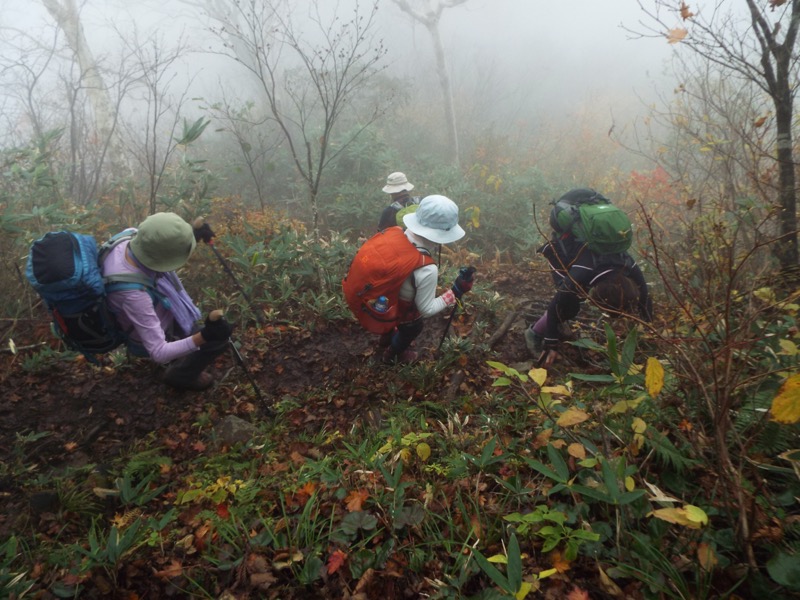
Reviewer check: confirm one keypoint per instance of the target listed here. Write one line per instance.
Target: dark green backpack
(592, 219)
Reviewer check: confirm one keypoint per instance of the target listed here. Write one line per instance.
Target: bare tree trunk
(67, 16)
(430, 17)
(447, 92)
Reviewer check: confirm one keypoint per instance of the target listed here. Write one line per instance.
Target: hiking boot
(534, 342)
(203, 382)
(407, 356)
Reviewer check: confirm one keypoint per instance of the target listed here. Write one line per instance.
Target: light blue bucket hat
(436, 219)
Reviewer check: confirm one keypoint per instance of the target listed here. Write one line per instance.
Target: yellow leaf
(404, 455)
(572, 416)
(475, 217)
(557, 389)
(423, 451)
(638, 425)
(630, 484)
(523, 591)
(624, 406)
(676, 35)
(539, 376)
(786, 405)
(499, 559)
(766, 294)
(12, 346)
(788, 348)
(688, 516)
(577, 450)
(696, 514)
(654, 377)
(547, 573)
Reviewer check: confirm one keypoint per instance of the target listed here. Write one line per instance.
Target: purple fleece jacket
(144, 323)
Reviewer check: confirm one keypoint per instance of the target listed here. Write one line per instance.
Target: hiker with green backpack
(588, 257)
(398, 187)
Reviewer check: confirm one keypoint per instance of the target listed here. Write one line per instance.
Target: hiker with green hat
(403, 203)
(163, 323)
(435, 222)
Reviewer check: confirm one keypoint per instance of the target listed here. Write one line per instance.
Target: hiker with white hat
(434, 222)
(403, 203)
(163, 323)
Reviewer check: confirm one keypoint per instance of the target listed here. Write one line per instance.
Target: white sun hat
(397, 182)
(436, 220)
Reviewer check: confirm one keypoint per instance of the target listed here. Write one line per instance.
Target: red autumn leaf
(336, 560)
(198, 446)
(222, 510)
(356, 499)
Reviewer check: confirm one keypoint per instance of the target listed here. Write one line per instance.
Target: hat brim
(403, 187)
(437, 236)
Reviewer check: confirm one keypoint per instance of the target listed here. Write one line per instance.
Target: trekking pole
(465, 273)
(217, 314)
(199, 222)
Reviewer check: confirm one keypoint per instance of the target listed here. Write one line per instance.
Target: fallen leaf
(572, 416)
(542, 438)
(335, 562)
(577, 593)
(608, 584)
(706, 556)
(356, 499)
(174, 569)
(560, 564)
(577, 450)
(70, 446)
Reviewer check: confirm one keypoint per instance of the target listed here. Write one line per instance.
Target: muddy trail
(68, 412)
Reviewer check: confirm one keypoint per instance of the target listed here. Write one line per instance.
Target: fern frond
(666, 452)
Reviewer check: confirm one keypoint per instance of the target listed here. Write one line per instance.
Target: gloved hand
(203, 233)
(463, 282)
(217, 330)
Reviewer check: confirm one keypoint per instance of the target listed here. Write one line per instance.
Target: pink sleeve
(135, 311)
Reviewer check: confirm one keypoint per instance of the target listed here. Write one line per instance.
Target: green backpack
(592, 219)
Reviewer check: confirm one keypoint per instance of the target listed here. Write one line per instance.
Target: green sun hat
(163, 242)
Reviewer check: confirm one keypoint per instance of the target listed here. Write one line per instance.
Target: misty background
(540, 84)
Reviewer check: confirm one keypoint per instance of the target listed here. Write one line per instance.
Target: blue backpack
(65, 269)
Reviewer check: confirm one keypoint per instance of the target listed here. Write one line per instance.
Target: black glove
(463, 282)
(203, 233)
(216, 331)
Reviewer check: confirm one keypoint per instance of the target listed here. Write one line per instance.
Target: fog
(544, 58)
(537, 75)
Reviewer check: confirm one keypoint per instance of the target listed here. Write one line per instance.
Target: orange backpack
(379, 268)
